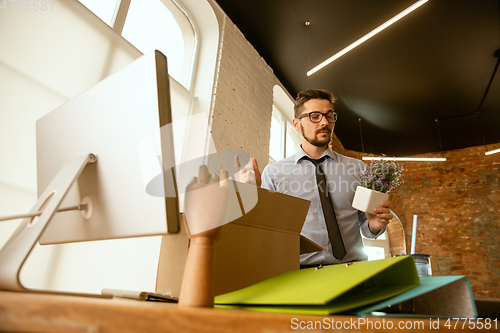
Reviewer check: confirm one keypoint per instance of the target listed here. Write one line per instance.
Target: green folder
(331, 289)
(435, 296)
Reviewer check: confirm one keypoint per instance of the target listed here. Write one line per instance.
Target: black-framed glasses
(316, 116)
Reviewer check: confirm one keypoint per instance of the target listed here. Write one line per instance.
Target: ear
(296, 124)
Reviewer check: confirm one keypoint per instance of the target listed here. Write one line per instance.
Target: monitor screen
(110, 120)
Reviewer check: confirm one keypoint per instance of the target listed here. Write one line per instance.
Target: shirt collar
(301, 153)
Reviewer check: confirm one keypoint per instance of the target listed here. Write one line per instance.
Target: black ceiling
(435, 63)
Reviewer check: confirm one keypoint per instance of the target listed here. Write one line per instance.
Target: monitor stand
(21, 243)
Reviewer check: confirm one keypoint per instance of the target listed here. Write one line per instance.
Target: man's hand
(248, 174)
(380, 217)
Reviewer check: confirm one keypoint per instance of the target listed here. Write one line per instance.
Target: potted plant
(377, 180)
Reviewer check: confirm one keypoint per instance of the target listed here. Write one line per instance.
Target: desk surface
(31, 312)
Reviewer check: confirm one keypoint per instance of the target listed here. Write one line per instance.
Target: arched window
(150, 25)
(159, 25)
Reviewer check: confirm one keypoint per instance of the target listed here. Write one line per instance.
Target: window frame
(283, 113)
(189, 66)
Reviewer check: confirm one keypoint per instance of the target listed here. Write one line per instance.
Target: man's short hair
(308, 94)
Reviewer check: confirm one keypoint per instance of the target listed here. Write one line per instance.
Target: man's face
(317, 134)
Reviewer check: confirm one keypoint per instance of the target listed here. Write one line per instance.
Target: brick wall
(457, 205)
(242, 108)
(458, 220)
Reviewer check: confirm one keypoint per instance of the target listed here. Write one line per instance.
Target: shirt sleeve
(365, 228)
(267, 179)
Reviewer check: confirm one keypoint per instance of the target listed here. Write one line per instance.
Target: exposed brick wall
(458, 220)
(457, 205)
(243, 99)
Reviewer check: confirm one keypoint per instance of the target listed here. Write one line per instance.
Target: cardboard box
(262, 243)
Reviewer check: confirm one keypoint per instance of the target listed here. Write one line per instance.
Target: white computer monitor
(109, 122)
(112, 149)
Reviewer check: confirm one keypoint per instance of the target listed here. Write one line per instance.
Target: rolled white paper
(414, 234)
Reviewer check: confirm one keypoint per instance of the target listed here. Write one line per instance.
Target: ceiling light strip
(367, 36)
(492, 152)
(407, 159)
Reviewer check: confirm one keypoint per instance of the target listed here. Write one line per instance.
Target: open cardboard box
(262, 243)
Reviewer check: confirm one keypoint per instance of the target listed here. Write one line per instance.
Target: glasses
(316, 116)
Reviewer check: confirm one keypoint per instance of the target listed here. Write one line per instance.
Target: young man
(303, 175)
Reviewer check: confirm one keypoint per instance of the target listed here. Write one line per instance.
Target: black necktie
(328, 211)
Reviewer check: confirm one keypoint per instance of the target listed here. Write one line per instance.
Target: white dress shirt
(296, 176)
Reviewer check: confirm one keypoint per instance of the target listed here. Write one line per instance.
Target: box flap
(308, 246)
(273, 210)
(246, 255)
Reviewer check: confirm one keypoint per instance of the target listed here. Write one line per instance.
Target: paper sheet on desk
(329, 290)
(140, 295)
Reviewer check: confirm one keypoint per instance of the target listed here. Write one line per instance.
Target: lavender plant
(382, 175)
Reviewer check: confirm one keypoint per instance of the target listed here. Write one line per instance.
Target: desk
(31, 312)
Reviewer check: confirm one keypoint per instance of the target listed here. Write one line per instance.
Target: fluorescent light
(367, 36)
(492, 152)
(407, 159)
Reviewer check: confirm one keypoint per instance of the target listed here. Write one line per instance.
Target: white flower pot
(365, 199)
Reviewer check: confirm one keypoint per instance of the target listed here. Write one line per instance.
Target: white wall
(243, 96)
